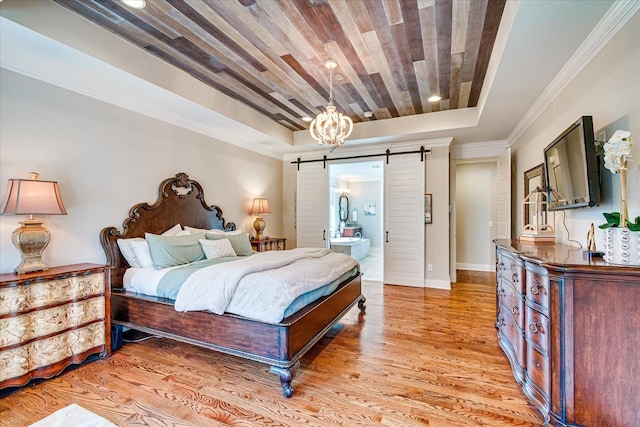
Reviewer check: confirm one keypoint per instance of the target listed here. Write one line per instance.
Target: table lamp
(259, 209)
(31, 197)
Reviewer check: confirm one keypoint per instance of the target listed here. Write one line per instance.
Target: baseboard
(476, 267)
(437, 284)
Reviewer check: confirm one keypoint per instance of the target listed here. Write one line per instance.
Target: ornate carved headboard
(180, 201)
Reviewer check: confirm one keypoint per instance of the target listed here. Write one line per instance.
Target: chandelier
(331, 127)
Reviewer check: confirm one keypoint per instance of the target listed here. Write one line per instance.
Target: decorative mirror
(533, 178)
(343, 207)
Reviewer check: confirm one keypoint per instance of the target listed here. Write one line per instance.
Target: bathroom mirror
(343, 207)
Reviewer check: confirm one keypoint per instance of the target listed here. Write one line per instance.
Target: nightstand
(52, 319)
(269, 244)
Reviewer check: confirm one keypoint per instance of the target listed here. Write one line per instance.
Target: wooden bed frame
(281, 345)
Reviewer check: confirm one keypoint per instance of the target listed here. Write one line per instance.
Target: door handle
(387, 237)
(324, 235)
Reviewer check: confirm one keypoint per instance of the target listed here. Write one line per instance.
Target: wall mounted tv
(571, 167)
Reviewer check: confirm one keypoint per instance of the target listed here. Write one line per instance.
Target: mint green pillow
(169, 251)
(239, 242)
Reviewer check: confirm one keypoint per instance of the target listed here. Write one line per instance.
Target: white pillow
(173, 231)
(194, 230)
(141, 250)
(126, 250)
(217, 248)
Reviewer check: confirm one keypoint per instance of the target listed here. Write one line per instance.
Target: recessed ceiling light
(368, 114)
(306, 119)
(434, 98)
(136, 4)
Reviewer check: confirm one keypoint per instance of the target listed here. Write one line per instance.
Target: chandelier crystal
(331, 127)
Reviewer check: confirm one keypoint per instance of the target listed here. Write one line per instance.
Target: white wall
(608, 89)
(476, 203)
(106, 159)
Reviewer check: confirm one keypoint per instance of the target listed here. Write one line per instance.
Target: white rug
(73, 416)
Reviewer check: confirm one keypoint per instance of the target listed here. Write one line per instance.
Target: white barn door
(312, 206)
(404, 244)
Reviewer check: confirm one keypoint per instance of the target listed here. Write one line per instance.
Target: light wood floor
(417, 357)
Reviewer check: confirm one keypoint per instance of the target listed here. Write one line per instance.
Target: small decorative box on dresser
(269, 244)
(52, 319)
(570, 327)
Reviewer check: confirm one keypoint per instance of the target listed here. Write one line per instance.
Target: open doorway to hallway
(356, 214)
(476, 212)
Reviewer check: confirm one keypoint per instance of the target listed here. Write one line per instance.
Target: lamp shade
(260, 207)
(30, 197)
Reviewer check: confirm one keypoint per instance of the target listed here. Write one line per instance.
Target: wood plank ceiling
(392, 55)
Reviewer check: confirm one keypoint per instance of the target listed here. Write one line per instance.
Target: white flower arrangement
(617, 150)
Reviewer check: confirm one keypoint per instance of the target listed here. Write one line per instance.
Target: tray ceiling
(392, 55)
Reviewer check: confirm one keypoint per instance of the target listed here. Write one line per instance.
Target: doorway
(476, 203)
(356, 214)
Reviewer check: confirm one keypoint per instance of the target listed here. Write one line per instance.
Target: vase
(622, 246)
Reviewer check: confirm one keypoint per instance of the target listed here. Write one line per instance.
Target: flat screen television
(571, 167)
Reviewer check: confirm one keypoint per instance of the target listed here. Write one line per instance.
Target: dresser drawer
(26, 327)
(537, 329)
(24, 297)
(511, 335)
(537, 288)
(538, 372)
(511, 270)
(40, 353)
(512, 301)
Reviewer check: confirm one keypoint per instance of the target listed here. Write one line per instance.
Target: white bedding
(260, 286)
(144, 280)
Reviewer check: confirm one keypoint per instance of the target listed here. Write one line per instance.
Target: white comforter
(263, 285)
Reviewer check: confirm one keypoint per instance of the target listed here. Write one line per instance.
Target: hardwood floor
(417, 357)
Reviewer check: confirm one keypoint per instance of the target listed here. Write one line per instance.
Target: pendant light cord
(330, 85)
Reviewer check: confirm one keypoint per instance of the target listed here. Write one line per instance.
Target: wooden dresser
(52, 319)
(570, 327)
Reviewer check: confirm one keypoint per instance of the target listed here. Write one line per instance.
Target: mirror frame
(529, 176)
(340, 210)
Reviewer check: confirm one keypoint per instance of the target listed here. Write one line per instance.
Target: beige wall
(106, 159)
(608, 89)
(437, 233)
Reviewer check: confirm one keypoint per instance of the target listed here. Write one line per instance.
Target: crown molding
(478, 150)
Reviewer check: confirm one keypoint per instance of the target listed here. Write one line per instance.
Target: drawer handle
(538, 365)
(514, 278)
(535, 326)
(501, 292)
(535, 289)
(515, 310)
(501, 266)
(499, 323)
